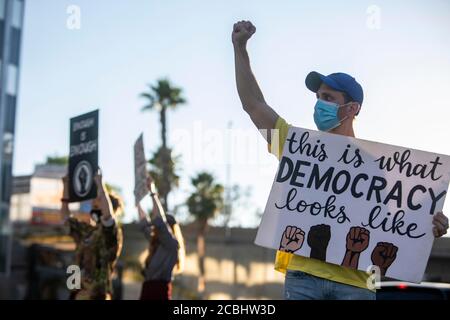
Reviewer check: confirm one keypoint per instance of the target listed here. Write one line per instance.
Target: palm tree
(156, 166)
(204, 203)
(161, 97)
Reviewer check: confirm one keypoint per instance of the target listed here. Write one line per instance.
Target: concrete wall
(236, 268)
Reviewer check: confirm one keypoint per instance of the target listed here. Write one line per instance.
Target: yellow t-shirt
(285, 261)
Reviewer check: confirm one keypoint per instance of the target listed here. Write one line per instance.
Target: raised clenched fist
(383, 255)
(242, 31)
(292, 239)
(357, 239)
(318, 238)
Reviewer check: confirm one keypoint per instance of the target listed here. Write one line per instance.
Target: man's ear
(355, 107)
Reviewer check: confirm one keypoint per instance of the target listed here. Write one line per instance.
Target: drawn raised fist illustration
(292, 239)
(82, 178)
(318, 239)
(357, 239)
(383, 255)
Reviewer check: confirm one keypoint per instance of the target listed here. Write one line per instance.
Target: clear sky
(401, 59)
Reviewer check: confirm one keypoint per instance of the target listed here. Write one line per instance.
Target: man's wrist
(240, 45)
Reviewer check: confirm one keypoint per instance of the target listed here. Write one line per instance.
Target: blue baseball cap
(338, 81)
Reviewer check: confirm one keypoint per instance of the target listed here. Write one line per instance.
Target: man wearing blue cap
(339, 100)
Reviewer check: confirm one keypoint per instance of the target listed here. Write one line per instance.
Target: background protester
(98, 243)
(166, 250)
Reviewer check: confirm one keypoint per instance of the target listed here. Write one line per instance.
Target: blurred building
(36, 198)
(11, 21)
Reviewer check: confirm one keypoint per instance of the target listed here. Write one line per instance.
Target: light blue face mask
(326, 115)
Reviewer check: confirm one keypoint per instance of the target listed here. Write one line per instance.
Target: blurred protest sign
(83, 156)
(140, 171)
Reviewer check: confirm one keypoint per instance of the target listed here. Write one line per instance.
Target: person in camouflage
(98, 244)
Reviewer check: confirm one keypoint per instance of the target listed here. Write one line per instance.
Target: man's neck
(345, 129)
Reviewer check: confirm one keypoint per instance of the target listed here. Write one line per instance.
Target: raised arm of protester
(65, 199)
(103, 201)
(158, 209)
(145, 225)
(253, 102)
(158, 219)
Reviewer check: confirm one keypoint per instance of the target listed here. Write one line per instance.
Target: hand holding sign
(151, 185)
(98, 179)
(292, 239)
(318, 238)
(440, 224)
(383, 255)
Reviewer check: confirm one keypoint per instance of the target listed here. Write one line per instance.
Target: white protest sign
(140, 170)
(355, 203)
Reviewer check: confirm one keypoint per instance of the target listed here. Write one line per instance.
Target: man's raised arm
(262, 115)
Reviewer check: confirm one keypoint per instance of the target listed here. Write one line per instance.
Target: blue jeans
(299, 285)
